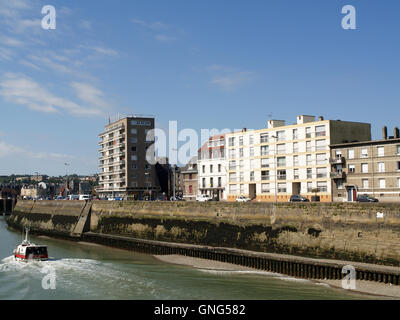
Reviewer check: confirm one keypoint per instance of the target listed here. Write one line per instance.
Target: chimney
(396, 133)
(320, 118)
(384, 133)
(244, 129)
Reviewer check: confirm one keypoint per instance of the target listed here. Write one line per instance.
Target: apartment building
(211, 166)
(125, 170)
(190, 180)
(274, 163)
(370, 167)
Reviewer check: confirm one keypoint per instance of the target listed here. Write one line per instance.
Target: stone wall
(346, 231)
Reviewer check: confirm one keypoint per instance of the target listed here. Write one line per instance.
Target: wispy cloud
(158, 30)
(10, 42)
(6, 54)
(229, 78)
(155, 26)
(7, 150)
(90, 95)
(164, 38)
(21, 90)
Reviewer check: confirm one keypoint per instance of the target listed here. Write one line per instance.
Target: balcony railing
(337, 160)
(337, 175)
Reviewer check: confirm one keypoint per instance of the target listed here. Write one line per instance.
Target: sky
(205, 64)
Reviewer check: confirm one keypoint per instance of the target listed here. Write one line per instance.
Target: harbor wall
(347, 231)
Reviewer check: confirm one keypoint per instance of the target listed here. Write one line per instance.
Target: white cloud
(10, 42)
(21, 90)
(90, 95)
(164, 38)
(7, 150)
(6, 54)
(155, 26)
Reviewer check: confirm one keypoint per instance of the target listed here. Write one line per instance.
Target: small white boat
(29, 251)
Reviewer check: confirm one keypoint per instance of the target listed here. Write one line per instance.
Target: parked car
(73, 197)
(203, 198)
(242, 199)
(366, 198)
(298, 198)
(84, 197)
(177, 198)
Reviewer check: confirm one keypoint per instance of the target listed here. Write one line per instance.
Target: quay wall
(344, 231)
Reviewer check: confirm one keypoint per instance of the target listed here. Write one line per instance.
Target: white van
(84, 197)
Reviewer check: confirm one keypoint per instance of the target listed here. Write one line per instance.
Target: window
(309, 173)
(321, 158)
(296, 175)
(241, 153)
(350, 154)
(242, 189)
(134, 157)
(381, 167)
(320, 144)
(133, 149)
(264, 175)
(339, 183)
(204, 169)
(232, 141)
(308, 132)
(134, 131)
(232, 177)
(320, 131)
(381, 151)
(264, 150)
(309, 187)
(232, 165)
(212, 182)
(251, 139)
(398, 149)
(240, 140)
(338, 154)
(281, 149)
(219, 182)
(295, 147)
(321, 173)
(265, 188)
(398, 166)
(241, 176)
(382, 183)
(295, 134)
(264, 138)
(295, 160)
(204, 182)
(364, 167)
(364, 153)
(281, 161)
(241, 165)
(308, 159)
(281, 174)
(251, 152)
(219, 168)
(322, 186)
(398, 182)
(352, 168)
(211, 168)
(134, 166)
(365, 183)
(133, 140)
(281, 136)
(190, 189)
(252, 176)
(232, 189)
(232, 153)
(190, 176)
(281, 187)
(308, 146)
(264, 163)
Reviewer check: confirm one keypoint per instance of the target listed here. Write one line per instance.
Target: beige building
(189, 177)
(371, 168)
(282, 160)
(125, 170)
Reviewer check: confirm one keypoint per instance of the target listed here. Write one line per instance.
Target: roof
(365, 143)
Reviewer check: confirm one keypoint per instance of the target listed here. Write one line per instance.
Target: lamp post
(147, 182)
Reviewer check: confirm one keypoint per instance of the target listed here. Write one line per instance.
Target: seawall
(255, 234)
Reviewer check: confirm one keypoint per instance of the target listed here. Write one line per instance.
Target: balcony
(337, 175)
(337, 160)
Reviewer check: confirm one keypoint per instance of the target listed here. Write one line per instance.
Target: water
(89, 271)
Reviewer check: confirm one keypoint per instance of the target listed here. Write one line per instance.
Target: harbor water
(80, 271)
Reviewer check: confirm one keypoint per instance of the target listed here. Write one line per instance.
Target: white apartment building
(211, 166)
(282, 160)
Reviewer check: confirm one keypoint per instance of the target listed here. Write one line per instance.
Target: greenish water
(87, 271)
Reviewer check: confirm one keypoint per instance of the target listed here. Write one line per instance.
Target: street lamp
(147, 182)
(66, 178)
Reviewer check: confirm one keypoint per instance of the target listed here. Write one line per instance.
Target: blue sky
(206, 64)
